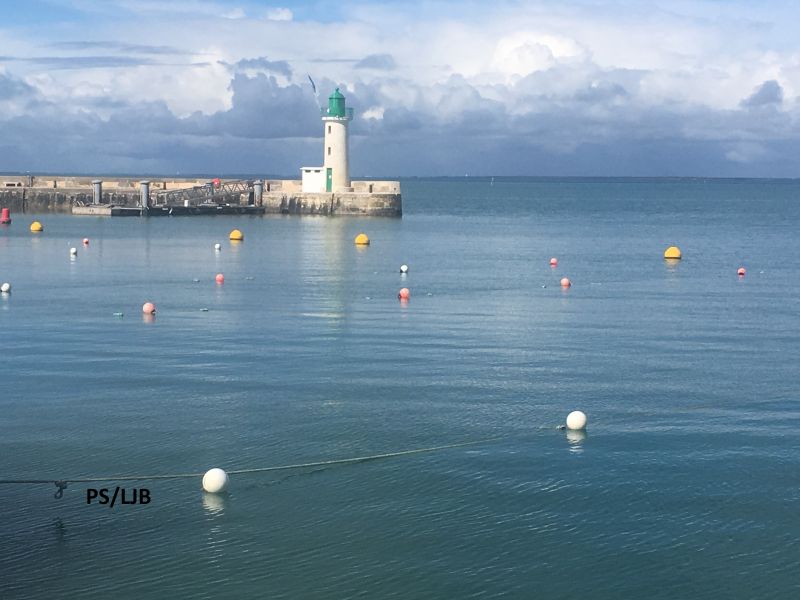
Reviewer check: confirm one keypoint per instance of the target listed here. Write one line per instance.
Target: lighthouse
(334, 175)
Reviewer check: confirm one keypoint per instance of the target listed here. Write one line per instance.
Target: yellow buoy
(36, 227)
(672, 252)
(236, 235)
(362, 240)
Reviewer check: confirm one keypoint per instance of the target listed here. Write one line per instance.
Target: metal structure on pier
(214, 192)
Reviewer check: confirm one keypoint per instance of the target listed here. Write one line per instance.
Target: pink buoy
(149, 308)
(404, 294)
(220, 278)
(85, 241)
(741, 272)
(553, 262)
(565, 283)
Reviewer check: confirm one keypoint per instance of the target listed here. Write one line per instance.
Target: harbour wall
(35, 194)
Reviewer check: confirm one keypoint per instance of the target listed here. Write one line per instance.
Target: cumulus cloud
(262, 63)
(280, 14)
(380, 62)
(527, 88)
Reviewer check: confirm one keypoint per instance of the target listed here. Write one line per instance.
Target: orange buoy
(149, 308)
(553, 262)
(404, 294)
(220, 278)
(741, 272)
(565, 283)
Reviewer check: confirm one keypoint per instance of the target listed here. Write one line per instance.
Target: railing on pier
(209, 193)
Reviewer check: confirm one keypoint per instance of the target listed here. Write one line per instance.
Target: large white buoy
(576, 420)
(5, 288)
(217, 247)
(215, 481)
(404, 269)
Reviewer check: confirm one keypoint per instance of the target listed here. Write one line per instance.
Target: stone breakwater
(35, 194)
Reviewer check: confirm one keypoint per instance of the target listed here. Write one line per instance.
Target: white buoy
(73, 251)
(576, 420)
(215, 481)
(217, 247)
(5, 288)
(404, 268)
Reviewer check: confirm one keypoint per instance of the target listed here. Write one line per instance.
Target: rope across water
(62, 482)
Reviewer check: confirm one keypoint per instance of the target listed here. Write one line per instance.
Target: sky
(706, 88)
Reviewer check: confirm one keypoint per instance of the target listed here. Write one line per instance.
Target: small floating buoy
(195, 280)
(119, 314)
(85, 241)
(404, 269)
(361, 240)
(565, 282)
(673, 252)
(149, 308)
(553, 262)
(5, 217)
(73, 251)
(404, 294)
(218, 247)
(5, 288)
(36, 227)
(220, 278)
(215, 481)
(203, 310)
(236, 236)
(576, 420)
(741, 272)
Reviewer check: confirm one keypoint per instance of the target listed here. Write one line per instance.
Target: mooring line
(61, 483)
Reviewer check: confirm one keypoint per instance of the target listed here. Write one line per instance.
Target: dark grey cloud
(454, 127)
(768, 93)
(378, 62)
(281, 67)
(118, 47)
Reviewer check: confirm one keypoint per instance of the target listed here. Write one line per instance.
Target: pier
(116, 197)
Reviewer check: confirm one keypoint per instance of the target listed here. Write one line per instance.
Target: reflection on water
(576, 439)
(214, 503)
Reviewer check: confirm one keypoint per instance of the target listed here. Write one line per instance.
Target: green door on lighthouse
(328, 179)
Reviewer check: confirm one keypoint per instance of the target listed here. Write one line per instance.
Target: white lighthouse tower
(334, 175)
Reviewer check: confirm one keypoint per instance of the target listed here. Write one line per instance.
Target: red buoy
(5, 217)
(220, 278)
(741, 272)
(404, 294)
(553, 262)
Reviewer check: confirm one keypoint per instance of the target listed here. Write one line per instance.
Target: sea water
(685, 485)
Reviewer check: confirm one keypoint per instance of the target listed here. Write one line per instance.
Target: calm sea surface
(687, 484)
